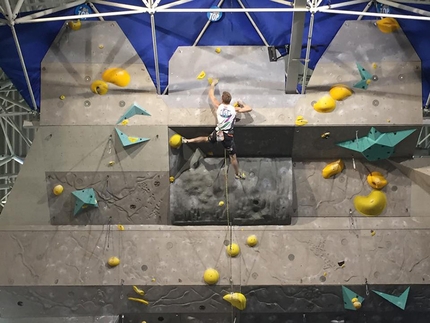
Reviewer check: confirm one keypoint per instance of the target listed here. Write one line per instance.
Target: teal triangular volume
(127, 140)
(348, 295)
(391, 139)
(133, 110)
(399, 301)
(361, 85)
(360, 144)
(365, 75)
(84, 198)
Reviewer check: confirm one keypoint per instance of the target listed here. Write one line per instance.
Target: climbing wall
(87, 232)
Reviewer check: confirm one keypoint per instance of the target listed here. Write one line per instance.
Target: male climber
(226, 116)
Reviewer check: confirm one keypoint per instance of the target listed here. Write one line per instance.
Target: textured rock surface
(123, 197)
(265, 197)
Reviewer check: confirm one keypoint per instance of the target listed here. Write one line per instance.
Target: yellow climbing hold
(99, 87)
(113, 261)
(376, 180)
(175, 141)
(210, 80)
(218, 50)
(58, 189)
(75, 24)
(387, 25)
(171, 179)
(201, 75)
(221, 203)
(237, 300)
(139, 300)
(301, 121)
(120, 227)
(252, 240)
(62, 97)
(111, 163)
(355, 299)
(374, 65)
(133, 139)
(233, 249)
(211, 276)
(333, 168)
(139, 291)
(372, 204)
(124, 122)
(340, 92)
(325, 104)
(368, 82)
(357, 305)
(372, 233)
(117, 76)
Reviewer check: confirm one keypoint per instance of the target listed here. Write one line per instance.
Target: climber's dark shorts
(228, 142)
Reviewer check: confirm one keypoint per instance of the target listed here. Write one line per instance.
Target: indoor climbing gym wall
(121, 222)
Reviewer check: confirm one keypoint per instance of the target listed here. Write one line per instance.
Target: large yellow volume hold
(340, 92)
(387, 25)
(333, 168)
(376, 180)
(372, 204)
(99, 87)
(117, 76)
(237, 300)
(325, 104)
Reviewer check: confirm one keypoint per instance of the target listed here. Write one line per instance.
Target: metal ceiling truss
(16, 140)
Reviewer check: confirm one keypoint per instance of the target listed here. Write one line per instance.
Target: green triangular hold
(399, 301)
(133, 110)
(365, 75)
(348, 295)
(361, 85)
(84, 198)
(391, 139)
(359, 145)
(127, 140)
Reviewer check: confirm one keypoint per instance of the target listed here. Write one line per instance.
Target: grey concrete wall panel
(298, 143)
(80, 319)
(250, 142)
(206, 304)
(83, 149)
(394, 95)
(123, 198)
(317, 196)
(355, 40)
(244, 71)
(76, 59)
(74, 149)
(308, 143)
(265, 197)
(293, 255)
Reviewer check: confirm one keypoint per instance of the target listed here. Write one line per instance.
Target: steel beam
(95, 10)
(18, 49)
(254, 24)
(154, 46)
(50, 11)
(293, 59)
(17, 8)
(405, 7)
